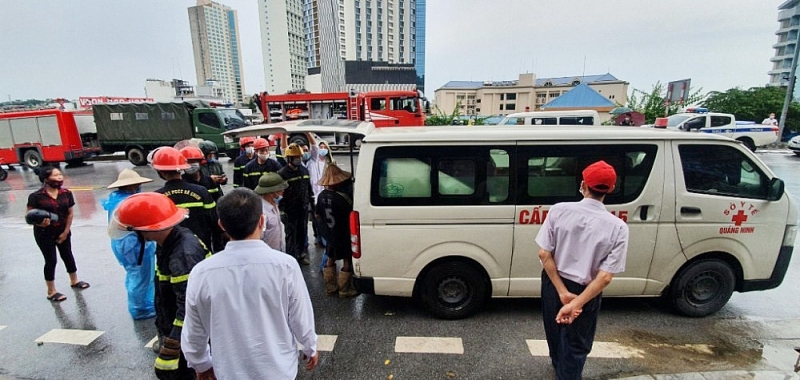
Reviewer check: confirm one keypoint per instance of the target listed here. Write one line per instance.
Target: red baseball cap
(600, 177)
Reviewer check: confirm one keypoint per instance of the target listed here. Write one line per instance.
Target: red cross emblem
(739, 218)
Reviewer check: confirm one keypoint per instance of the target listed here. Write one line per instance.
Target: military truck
(138, 128)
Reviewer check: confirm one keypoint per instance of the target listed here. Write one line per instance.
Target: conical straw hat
(333, 175)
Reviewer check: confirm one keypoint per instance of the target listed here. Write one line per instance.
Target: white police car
(794, 144)
(749, 133)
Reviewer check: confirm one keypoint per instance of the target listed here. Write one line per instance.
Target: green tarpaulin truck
(137, 128)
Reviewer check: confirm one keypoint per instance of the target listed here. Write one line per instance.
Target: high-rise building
(217, 51)
(789, 19)
(385, 33)
(283, 44)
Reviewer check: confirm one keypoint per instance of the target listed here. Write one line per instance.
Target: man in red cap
(582, 246)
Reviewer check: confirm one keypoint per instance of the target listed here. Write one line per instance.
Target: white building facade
(217, 48)
(282, 44)
(789, 20)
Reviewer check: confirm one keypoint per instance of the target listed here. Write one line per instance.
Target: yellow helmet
(293, 151)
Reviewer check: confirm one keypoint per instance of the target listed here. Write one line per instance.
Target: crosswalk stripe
(428, 345)
(70, 336)
(599, 350)
(324, 343)
(151, 342)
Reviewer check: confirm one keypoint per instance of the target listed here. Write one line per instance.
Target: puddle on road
(665, 354)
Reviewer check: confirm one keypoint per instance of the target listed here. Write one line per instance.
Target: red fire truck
(35, 137)
(383, 108)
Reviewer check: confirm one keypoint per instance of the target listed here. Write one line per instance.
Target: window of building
(502, 97)
(511, 96)
(511, 107)
(141, 116)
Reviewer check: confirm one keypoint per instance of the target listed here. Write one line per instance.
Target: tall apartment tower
(789, 20)
(320, 45)
(217, 51)
(283, 44)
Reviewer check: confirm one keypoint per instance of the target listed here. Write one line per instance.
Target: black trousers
(569, 344)
(296, 232)
(47, 244)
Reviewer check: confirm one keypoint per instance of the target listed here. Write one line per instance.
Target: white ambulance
(449, 214)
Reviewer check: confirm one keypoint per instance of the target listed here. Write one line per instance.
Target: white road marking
(69, 336)
(324, 343)
(599, 349)
(2, 327)
(151, 342)
(428, 345)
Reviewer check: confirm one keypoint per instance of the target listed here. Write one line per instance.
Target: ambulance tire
(702, 288)
(454, 289)
(748, 142)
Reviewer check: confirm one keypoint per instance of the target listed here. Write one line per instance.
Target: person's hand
(568, 314)
(311, 362)
(207, 375)
(63, 236)
(567, 297)
(45, 222)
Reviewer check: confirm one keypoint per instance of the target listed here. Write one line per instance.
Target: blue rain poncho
(139, 280)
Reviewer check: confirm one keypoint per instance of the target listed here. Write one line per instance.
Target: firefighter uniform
(296, 203)
(202, 211)
(181, 251)
(238, 169)
(254, 170)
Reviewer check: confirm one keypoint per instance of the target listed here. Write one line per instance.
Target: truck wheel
(32, 159)
(3, 174)
(137, 156)
(453, 290)
(702, 288)
(748, 142)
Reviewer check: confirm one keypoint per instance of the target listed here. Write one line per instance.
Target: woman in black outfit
(52, 235)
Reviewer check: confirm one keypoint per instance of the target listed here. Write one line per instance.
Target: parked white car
(794, 144)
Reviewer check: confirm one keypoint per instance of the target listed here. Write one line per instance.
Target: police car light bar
(697, 110)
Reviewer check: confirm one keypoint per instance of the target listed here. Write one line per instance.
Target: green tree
(754, 104)
(653, 104)
(440, 118)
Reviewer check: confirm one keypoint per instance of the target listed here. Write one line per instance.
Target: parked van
(450, 214)
(580, 117)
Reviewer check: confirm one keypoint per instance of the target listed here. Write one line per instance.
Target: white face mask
(249, 150)
(323, 152)
(263, 157)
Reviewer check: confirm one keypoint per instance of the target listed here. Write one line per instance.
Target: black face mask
(54, 184)
(295, 162)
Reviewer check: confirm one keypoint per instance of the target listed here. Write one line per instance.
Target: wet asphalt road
(754, 331)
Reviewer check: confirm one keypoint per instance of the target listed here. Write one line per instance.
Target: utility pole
(790, 87)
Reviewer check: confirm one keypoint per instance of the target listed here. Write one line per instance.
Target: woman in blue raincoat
(139, 263)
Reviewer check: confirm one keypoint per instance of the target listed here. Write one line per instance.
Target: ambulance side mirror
(775, 190)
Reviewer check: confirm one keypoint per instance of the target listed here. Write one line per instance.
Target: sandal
(80, 285)
(57, 297)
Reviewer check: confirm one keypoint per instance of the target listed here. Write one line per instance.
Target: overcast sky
(51, 48)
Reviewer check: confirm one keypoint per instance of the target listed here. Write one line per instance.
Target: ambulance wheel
(137, 156)
(748, 142)
(702, 288)
(32, 159)
(453, 290)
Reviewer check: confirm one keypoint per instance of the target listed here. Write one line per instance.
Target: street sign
(678, 91)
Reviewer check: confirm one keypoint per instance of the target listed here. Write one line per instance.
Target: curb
(718, 375)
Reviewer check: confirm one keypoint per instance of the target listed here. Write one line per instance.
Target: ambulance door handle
(690, 210)
(643, 213)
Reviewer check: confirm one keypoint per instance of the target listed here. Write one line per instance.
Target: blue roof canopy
(582, 96)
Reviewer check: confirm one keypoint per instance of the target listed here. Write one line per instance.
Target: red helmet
(192, 153)
(260, 143)
(246, 140)
(149, 212)
(169, 158)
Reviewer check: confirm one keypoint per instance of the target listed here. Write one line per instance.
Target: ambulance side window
(552, 173)
(721, 170)
(454, 175)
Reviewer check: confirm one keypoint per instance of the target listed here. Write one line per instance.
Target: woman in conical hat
(335, 203)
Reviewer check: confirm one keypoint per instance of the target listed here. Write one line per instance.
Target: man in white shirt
(771, 120)
(582, 246)
(250, 301)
